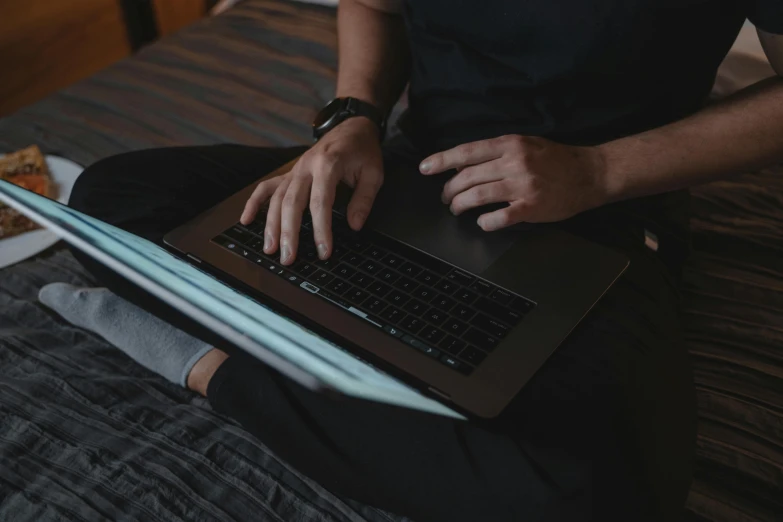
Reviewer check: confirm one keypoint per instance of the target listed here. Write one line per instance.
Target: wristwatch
(340, 109)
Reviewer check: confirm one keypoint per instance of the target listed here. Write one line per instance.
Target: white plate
(18, 248)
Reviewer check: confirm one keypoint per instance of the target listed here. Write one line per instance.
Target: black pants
(604, 431)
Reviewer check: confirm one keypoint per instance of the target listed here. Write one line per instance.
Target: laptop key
(304, 269)
(482, 287)
(454, 364)
(435, 316)
(327, 264)
(362, 280)
(387, 276)
(256, 245)
(412, 255)
(307, 254)
(501, 296)
(393, 330)
(257, 227)
(375, 252)
(455, 327)
(392, 261)
(428, 278)
(465, 295)
(489, 325)
(412, 324)
(393, 315)
(291, 277)
(431, 334)
(446, 286)
(452, 345)
(443, 302)
(374, 305)
(406, 285)
(460, 277)
(344, 271)
(378, 288)
(501, 313)
(478, 338)
(424, 293)
(416, 308)
(356, 295)
(239, 234)
(321, 278)
(397, 298)
(472, 355)
(429, 350)
(338, 286)
(353, 259)
(410, 270)
(337, 252)
(370, 266)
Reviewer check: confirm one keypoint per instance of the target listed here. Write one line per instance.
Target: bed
(86, 434)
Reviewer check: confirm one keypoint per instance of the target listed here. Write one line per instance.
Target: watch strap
(352, 107)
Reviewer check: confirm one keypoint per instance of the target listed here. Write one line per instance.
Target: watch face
(327, 113)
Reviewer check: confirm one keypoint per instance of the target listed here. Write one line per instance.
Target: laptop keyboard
(441, 311)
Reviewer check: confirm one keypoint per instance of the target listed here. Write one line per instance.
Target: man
(566, 112)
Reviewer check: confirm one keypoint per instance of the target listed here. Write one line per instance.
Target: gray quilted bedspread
(85, 434)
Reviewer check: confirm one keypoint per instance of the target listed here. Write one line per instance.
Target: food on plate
(26, 168)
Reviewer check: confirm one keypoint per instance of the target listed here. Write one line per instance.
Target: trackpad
(409, 209)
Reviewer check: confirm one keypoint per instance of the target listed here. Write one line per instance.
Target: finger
(462, 156)
(294, 204)
(321, 202)
(367, 187)
(262, 192)
(505, 217)
(272, 228)
(478, 196)
(470, 177)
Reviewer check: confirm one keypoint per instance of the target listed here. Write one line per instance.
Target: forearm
(741, 133)
(373, 51)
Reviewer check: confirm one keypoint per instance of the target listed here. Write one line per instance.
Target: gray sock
(151, 342)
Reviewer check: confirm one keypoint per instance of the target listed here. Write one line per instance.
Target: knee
(121, 182)
(93, 187)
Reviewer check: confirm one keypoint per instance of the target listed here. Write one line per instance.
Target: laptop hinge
(194, 258)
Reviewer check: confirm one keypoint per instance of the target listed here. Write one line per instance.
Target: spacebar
(417, 256)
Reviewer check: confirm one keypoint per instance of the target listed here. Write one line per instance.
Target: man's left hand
(542, 181)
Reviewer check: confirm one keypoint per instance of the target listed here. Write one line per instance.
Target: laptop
(421, 309)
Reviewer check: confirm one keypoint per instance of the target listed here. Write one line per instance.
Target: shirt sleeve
(767, 15)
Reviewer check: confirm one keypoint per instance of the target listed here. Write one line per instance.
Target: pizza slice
(26, 168)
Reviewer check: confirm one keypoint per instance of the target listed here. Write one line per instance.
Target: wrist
(609, 173)
(359, 125)
(340, 110)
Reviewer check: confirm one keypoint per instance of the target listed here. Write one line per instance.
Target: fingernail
(267, 242)
(425, 166)
(322, 250)
(285, 253)
(443, 198)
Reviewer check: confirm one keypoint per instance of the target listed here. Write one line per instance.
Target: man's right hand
(350, 153)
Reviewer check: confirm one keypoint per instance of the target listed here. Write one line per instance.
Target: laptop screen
(276, 340)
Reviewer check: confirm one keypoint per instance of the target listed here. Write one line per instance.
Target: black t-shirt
(576, 71)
